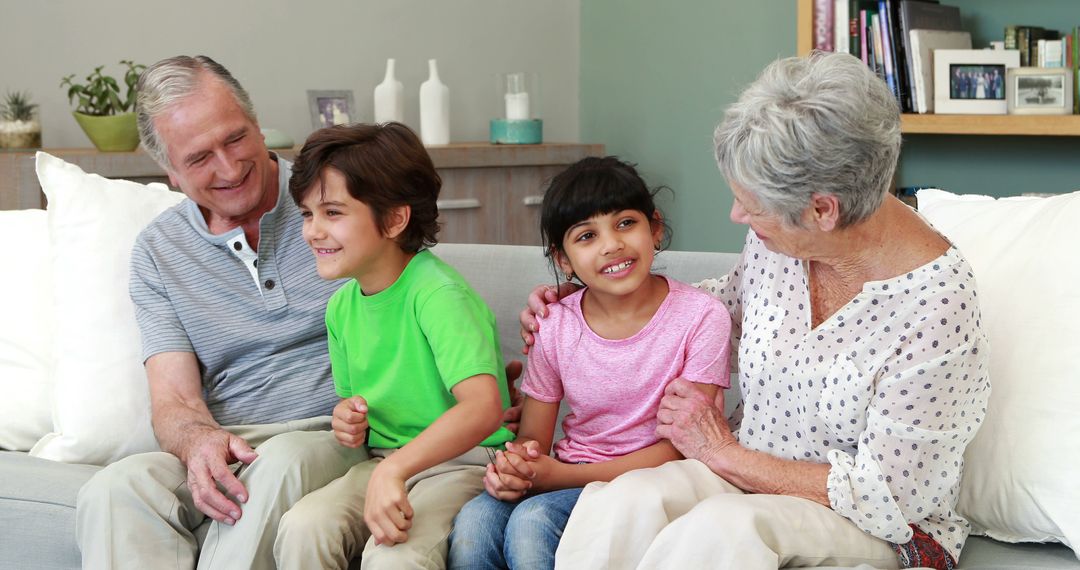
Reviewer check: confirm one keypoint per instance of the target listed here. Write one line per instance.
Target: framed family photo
(1039, 91)
(972, 81)
(331, 107)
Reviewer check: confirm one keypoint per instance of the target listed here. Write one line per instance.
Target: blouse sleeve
(926, 403)
(728, 289)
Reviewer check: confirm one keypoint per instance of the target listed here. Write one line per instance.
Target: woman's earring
(569, 276)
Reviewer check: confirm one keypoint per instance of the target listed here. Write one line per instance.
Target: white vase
(389, 97)
(434, 109)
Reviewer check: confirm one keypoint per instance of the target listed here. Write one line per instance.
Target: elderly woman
(860, 355)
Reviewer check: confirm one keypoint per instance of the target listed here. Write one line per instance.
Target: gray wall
(279, 49)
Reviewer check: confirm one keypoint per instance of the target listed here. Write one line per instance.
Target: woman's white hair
(170, 80)
(820, 124)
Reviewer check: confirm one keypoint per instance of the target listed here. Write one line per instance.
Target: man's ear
(824, 211)
(397, 220)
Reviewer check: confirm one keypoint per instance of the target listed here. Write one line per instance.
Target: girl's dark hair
(589, 187)
(385, 166)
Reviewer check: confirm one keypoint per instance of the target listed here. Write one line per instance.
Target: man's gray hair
(170, 80)
(820, 124)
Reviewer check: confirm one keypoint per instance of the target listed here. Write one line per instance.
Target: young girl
(609, 350)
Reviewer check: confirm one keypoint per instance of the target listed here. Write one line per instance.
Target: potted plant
(104, 115)
(19, 126)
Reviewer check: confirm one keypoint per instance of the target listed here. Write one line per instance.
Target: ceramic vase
(389, 97)
(434, 108)
(110, 133)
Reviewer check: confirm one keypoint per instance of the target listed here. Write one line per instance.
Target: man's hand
(207, 459)
(539, 299)
(349, 422)
(387, 512)
(512, 415)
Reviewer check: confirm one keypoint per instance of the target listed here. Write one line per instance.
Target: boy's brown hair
(385, 166)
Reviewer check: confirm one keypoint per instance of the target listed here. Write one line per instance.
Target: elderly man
(231, 311)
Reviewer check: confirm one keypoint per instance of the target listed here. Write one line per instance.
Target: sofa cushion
(1019, 478)
(37, 511)
(25, 329)
(101, 408)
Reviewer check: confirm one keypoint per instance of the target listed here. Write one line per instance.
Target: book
(866, 39)
(855, 26)
(1052, 53)
(823, 25)
(1076, 69)
(841, 39)
(919, 15)
(923, 43)
(875, 35)
(887, 45)
(1010, 37)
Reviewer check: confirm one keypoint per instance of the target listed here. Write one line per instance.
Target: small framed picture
(1039, 91)
(329, 108)
(972, 81)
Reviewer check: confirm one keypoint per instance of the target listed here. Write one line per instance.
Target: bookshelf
(1022, 125)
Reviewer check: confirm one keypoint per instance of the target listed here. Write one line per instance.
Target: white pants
(682, 515)
(139, 513)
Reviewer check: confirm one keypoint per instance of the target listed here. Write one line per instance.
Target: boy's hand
(387, 512)
(350, 423)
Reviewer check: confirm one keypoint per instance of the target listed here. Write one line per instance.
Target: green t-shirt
(403, 349)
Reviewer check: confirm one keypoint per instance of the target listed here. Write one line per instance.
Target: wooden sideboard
(491, 193)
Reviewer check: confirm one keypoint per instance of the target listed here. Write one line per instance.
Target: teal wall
(656, 77)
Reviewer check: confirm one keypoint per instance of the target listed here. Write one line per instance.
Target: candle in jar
(517, 106)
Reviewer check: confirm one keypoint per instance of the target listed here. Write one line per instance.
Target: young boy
(414, 354)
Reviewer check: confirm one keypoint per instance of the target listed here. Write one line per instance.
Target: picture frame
(331, 107)
(972, 81)
(1039, 91)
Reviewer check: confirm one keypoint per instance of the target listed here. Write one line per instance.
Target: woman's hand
(539, 299)
(387, 512)
(693, 423)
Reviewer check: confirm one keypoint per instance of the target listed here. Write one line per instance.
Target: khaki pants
(139, 513)
(326, 529)
(682, 515)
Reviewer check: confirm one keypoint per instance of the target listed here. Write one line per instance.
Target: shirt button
(255, 263)
(269, 283)
(238, 246)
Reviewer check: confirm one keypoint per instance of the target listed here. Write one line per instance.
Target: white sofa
(37, 495)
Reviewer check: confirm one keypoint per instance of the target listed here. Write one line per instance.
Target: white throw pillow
(25, 329)
(1019, 480)
(101, 405)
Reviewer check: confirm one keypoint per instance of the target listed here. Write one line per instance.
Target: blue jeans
(493, 534)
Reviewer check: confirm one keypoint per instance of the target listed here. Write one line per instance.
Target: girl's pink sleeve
(542, 379)
(708, 348)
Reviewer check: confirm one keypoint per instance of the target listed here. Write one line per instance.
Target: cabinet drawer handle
(532, 200)
(461, 204)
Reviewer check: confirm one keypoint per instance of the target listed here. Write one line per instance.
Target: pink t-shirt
(614, 387)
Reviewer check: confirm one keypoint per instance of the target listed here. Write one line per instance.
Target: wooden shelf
(1017, 125)
(1022, 125)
